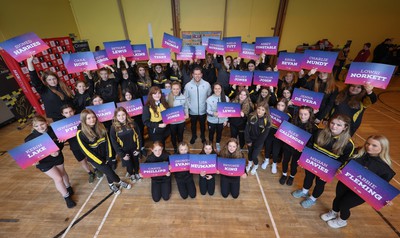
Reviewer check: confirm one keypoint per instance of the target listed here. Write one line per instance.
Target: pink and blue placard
(187, 53)
(248, 52)
(144, 99)
(115, 49)
(228, 109)
(319, 164)
(266, 78)
(200, 51)
(292, 135)
(23, 46)
(67, 127)
(369, 186)
(79, 62)
(203, 163)
(172, 42)
(139, 53)
(133, 107)
(231, 167)
(289, 61)
(148, 170)
(277, 117)
(173, 115)
(165, 91)
(267, 45)
(104, 112)
(241, 78)
(33, 151)
(102, 59)
(216, 46)
(302, 97)
(205, 39)
(323, 61)
(179, 163)
(233, 44)
(378, 75)
(160, 55)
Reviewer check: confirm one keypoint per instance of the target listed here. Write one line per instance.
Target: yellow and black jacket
(126, 140)
(327, 149)
(99, 150)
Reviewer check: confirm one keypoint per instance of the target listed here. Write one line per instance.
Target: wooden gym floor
(31, 207)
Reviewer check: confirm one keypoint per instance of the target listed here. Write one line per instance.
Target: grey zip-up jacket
(196, 95)
(212, 102)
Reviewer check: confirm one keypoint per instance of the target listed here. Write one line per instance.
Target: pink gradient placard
(302, 97)
(179, 163)
(203, 163)
(33, 151)
(216, 46)
(266, 78)
(277, 117)
(104, 112)
(248, 52)
(173, 114)
(139, 53)
(67, 127)
(200, 51)
(23, 46)
(378, 75)
(369, 186)
(187, 53)
(233, 44)
(289, 61)
(79, 62)
(115, 49)
(160, 55)
(148, 170)
(323, 61)
(228, 109)
(241, 78)
(231, 167)
(133, 107)
(102, 59)
(172, 42)
(267, 45)
(292, 135)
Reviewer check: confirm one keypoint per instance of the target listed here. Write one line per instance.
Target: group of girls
(341, 111)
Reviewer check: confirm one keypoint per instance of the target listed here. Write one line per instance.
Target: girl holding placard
(324, 83)
(207, 181)
(53, 165)
(238, 124)
(107, 87)
(95, 144)
(53, 91)
(83, 92)
(272, 143)
(375, 157)
(223, 69)
(174, 73)
(161, 185)
(158, 76)
(256, 131)
(288, 81)
(215, 123)
(126, 141)
(142, 79)
(352, 102)
(125, 76)
(176, 98)
(231, 184)
(264, 94)
(333, 141)
(305, 121)
(184, 179)
(156, 103)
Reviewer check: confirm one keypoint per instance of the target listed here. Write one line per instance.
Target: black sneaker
(70, 203)
(193, 140)
(289, 182)
(70, 191)
(115, 189)
(282, 180)
(92, 176)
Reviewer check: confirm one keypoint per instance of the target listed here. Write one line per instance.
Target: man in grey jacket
(197, 92)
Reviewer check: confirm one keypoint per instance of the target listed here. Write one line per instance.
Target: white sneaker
(248, 167)
(254, 169)
(265, 164)
(274, 169)
(337, 223)
(218, 147)
(329, 215)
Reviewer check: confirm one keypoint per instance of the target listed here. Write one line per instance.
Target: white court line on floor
(268, 208)
(83, 206)
(105, 216)
(392, 160)
(385, 114)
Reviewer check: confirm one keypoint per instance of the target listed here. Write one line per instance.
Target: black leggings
(212, 128)
(161, 188)
(254, 151)
(177, 133)
(207, 185)
(276, 150)
(237, 131)
(319, 184)
(202, 121)
(160, 134)
(229, 187)
(290, 153)
(132, 165)
(268, 144)
(345, 200)
(186, 187)
(106, 169)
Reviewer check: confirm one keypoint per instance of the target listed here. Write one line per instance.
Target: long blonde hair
(171, 97)
(118, 125)
(384, 154)
(98, 130)
(325, 136)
